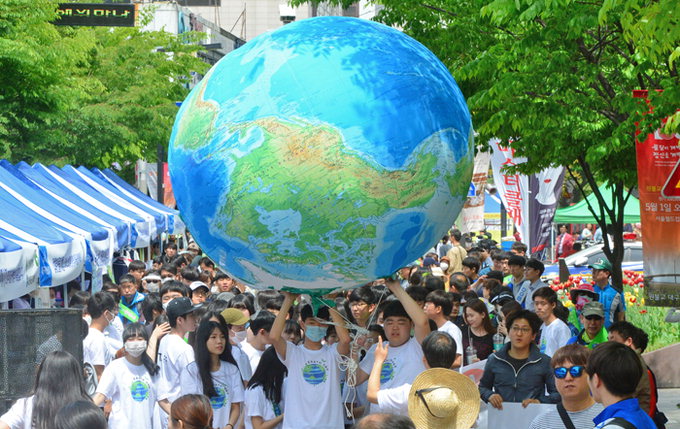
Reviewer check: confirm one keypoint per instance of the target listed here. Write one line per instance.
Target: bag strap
(618, 421)
(565, 417)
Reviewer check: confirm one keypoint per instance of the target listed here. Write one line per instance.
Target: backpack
(659, 418)
(90, 379)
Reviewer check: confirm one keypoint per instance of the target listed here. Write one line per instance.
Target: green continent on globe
(341, 193)
(198, 123)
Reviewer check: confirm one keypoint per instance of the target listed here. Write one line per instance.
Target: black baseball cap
(179, 307)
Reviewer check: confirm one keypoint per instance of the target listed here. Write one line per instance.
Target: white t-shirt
(314, 381)
(132, 392)
(257, 405)
(243, 362)
(395, 400)
(20, 415)
(581, 419)
(173, 356)
(455, 332)
(554, 336)
(253, 354)
(228, 385)
(401, 367)
(95, 350)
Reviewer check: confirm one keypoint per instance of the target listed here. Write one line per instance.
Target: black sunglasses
(575, 371)
(594, 318)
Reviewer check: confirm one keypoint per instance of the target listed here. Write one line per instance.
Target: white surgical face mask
(135, 348)
(240, 336)
(88, 319)
(165, 306)
(444, 266)
(152, 286)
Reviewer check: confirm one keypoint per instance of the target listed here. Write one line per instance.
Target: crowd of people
(181, 344)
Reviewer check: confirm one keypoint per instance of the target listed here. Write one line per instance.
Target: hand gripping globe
(322, 155)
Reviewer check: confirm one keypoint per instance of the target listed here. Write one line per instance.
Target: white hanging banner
(472, 214)
(512, 188)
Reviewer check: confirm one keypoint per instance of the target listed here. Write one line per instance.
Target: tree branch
(438, 9)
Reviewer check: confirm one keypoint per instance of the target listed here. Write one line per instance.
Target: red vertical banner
(168, 195)
(658, 167)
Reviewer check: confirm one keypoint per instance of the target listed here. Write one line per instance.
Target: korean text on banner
(512, 188)
(658, 165)
(473, 210)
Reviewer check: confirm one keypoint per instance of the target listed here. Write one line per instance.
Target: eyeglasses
(575, 371)
(358, 304)
(594, 318)
(517, 330)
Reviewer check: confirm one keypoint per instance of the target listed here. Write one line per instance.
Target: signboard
(512, 188)
(96, 14)
(473, 209)
(546, 187)
(658, 165)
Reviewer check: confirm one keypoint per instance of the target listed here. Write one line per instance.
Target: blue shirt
(629, 410)
(612, 301)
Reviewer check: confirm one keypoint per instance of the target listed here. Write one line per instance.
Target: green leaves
(83, 95)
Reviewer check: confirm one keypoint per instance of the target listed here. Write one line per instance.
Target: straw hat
(443, 399)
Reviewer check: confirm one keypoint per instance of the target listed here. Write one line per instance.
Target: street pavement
(669, 399)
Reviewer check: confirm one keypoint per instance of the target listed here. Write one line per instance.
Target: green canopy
(579, 213)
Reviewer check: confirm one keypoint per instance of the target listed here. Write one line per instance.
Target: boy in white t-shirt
(405, 360)
(554, 332)
(438, 305)
(174, 354)
(102, 308)
(257, 343)
(439, 349)
(313, 383)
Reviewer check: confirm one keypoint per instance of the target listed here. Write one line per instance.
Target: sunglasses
(594, 318)
(575, 371)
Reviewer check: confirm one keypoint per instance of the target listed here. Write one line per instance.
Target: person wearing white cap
(199, 292)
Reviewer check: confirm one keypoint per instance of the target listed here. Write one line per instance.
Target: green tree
(89, 96)
(557, 77)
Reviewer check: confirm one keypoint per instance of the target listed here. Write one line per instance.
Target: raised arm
(159, 332)
(420, 321)
(341, 330)
(275, 334)
(374, 379)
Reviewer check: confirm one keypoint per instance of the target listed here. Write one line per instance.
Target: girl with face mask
(130, 383)
(215, 373)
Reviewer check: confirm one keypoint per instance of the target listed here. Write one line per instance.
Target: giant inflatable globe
(322, 155)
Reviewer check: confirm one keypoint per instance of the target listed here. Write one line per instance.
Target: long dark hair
(478, 306)
(137, 330)
(59, 381)
(80, 415)
(269, 374)
(203, 359)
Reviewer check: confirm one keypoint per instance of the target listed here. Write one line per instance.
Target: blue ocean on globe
(322, 155)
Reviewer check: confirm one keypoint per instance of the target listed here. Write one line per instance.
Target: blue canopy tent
(19, 265)
(57, 223)
(146, 229)
(175, 223)
(61, 257)
(99, 240)
(137, 225)
(160, 219)
(47, 191)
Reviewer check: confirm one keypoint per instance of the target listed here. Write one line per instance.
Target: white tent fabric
(58, 223)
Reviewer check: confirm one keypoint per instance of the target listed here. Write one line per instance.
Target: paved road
(668, 403)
